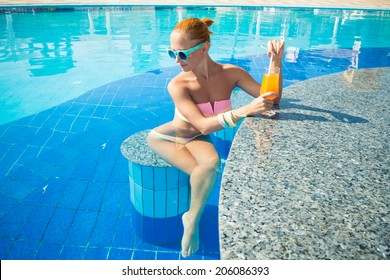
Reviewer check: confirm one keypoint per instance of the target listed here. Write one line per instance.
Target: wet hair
(195, 28)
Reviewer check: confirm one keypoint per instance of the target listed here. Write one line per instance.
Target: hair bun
(207, 21)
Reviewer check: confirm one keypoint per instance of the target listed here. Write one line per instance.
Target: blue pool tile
(51, 121)
(11, 224)
(111, 149)
(168, 256)
(7, 204)
(37, 223)
(31, 152)
(73, 194)
(113, 197)
(211, 208)
(23, 250)
(73, 109)
(138, 199)
(5, 247)
(160, 178)
(100, 112)
(124, 235)
(72, 253)
(103, 169)
(139, 244)
(88, 110)
(43, 168)
(172, 176)
(149, 229)
(78, 144)
(118, 130)
(120, 254)
(106, 99)
(147, 177)
(96, 134)
(64, 124)
(113, 111)
(127, 207)
(160, 201)
(79, 124)
(93, 196)
(85, 167)
(137, 174)
(27, 177)
(120, 171)
(96, 254)
(54, 158)
(48, 252)
(212, 256)
(59, 226)
(173, 203)
(148, 202)
(184, 199)
(82, 227)
(17, 134)
(144, 255)
(211, 237)
(50, 194)
(67, 152)
(104, 230)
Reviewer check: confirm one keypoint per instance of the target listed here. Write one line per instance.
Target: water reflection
(46, 40)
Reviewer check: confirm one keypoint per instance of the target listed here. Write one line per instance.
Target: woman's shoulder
(178, 84)
(233, 71)
(232, 67)
(179, 80)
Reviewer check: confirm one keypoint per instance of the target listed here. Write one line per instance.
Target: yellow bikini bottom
(174, 139)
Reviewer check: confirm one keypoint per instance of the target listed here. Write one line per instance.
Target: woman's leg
(199, 159)
(202, 180)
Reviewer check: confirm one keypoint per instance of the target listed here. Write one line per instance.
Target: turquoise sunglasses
(183, 54)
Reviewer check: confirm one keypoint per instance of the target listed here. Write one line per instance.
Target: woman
(201, 93)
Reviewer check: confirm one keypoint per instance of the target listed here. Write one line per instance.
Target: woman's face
(180, 42)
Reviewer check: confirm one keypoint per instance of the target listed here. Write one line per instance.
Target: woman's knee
(212, 163)
(151, 141)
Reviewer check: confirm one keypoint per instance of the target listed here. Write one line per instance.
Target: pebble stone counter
(312, 183)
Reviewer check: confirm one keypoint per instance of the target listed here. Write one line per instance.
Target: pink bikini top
(207, 110)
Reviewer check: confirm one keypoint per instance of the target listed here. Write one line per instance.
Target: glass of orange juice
(269, 83)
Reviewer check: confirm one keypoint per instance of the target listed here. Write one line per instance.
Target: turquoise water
(49, 57)
(75, 83)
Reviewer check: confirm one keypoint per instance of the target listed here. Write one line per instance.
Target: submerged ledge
(312, 183)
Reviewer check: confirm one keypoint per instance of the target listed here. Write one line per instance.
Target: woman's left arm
(250, 85)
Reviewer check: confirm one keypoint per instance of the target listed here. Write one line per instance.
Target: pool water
(74, 83)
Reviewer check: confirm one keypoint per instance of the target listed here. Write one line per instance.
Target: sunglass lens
(182, 56)
(171, 54)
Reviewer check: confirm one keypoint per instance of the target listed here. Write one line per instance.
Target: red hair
(195, 28)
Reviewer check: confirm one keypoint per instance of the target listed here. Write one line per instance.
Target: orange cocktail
(270, 81)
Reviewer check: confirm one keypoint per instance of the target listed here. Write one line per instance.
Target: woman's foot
(190, 240)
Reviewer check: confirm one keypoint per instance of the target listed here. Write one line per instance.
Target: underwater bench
(159, 192)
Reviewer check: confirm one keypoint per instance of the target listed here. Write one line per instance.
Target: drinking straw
(269, 67)
(272, 54)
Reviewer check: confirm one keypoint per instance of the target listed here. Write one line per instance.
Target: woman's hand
(261, 104)
(276, 49)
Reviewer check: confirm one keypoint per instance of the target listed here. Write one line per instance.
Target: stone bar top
(313, 181)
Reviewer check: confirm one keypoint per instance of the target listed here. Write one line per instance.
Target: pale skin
(204, 80)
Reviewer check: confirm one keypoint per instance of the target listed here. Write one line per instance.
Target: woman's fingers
(275, 47)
